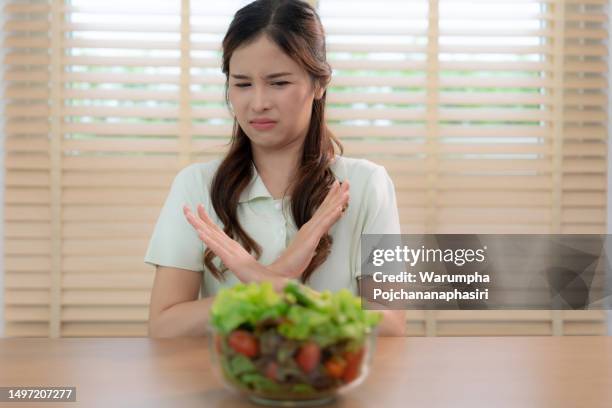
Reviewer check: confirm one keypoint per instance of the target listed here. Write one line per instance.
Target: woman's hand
(232, 254)
(296, 258)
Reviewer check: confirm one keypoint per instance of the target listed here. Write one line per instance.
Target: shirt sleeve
(380, 213)
(174, 242)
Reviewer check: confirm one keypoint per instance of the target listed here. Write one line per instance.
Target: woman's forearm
(393, 323)
(187, 319)
(190, 319)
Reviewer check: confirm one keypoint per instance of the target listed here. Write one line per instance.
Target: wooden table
(407, 372)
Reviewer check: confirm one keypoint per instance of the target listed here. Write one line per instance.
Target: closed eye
(279, 83)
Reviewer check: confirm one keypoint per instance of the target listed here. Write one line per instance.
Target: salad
(290, 344)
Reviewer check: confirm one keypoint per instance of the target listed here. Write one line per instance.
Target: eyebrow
(271, 76)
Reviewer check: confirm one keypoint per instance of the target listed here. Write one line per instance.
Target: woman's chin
(261, 142)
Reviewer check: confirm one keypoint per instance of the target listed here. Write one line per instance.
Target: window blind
(490, 117)
(102, 113)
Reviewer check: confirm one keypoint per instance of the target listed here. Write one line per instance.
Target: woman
(276, 207)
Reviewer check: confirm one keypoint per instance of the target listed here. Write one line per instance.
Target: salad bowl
(294, 348)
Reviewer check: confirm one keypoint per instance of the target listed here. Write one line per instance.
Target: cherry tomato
(308, 357)
(353, 365)
(272, 370)
(335, 367)
(243, 342)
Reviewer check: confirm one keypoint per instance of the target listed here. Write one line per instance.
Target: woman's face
(271, 95)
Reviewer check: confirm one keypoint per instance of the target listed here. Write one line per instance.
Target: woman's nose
(261, 100)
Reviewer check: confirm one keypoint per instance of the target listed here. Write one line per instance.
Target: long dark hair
(294, 27)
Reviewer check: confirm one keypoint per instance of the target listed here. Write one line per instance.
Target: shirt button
(277, 205)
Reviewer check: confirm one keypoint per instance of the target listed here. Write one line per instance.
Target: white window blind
(489, 115)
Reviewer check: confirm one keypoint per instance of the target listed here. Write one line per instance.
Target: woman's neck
(277, 169)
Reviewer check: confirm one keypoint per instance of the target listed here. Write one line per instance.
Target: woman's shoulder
(200, 173)
(355, 169)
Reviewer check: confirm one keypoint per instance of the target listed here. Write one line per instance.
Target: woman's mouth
(263, 125)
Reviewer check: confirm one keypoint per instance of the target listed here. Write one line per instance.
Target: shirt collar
(257, 189)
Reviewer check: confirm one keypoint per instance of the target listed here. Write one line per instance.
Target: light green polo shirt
(372, 210)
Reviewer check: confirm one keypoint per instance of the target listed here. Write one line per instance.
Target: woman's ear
(319, 92)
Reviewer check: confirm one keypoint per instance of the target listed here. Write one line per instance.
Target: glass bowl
(271, 370)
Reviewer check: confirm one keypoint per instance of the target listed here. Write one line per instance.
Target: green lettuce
(245, 304)
(301, 313)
